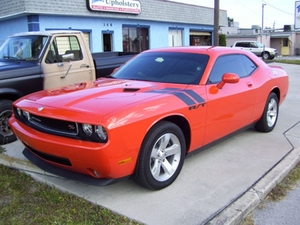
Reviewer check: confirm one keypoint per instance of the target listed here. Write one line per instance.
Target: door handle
(84, 66)
(249, 84)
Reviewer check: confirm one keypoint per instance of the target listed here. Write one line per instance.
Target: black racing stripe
(194, 95)
(165, 90)
(186, 99)
(178, 93)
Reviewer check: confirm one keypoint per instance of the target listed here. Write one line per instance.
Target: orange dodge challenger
(143, 119)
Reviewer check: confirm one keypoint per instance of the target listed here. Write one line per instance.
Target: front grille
(48, 125)
(62, 126)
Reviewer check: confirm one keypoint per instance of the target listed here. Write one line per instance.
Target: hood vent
(131, 89)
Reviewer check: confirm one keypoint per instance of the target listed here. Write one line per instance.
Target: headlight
(95, 132)
(101, 132)
(19, 112)
(87, 129)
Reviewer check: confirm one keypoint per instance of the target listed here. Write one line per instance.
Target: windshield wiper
(111, 76)
(12, 57)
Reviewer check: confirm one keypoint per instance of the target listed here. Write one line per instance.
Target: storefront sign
(119, 6)
(297, 14)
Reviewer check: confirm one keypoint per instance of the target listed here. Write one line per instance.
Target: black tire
(265, 55)
(269, 117)
(155, 156)
(6, 134)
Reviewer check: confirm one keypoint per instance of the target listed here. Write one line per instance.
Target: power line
(277, 8)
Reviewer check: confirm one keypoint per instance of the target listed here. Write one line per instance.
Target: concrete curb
(22, 165)
(239, 209)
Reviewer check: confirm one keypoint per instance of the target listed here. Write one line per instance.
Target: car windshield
(167, 67)
(260, 45)
(23, 47)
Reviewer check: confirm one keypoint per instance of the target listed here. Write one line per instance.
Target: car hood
(15, 68)
(99, 98)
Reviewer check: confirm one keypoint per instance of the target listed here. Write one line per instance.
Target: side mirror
(228, 78)
(68, 57)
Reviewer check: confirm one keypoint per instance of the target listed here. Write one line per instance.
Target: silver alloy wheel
(165, 157)
(4, 126)
(272, 112)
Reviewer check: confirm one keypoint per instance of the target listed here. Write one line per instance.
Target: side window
(238, 64)
(239, 44)
(64, 45)
(249, 65)
(254, 45)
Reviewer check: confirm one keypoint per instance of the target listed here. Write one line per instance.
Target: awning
(200, 33)
(280, 35)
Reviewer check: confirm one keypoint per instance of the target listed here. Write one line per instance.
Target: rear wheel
(269, 118)
(6, 134)
(161, 156)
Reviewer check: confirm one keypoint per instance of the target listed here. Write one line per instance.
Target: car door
(231, 107)
(65, 63)
(254, 48)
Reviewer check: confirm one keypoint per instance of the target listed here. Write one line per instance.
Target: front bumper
(98, 160)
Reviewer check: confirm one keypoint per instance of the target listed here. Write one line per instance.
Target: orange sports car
(143, 119)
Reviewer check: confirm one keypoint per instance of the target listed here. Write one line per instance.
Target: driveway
(216, 186)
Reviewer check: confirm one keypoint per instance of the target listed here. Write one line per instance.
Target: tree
(230, 21)
(222, 39)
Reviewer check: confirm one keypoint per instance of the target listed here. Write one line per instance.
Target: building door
(285, 46)
(107, 42)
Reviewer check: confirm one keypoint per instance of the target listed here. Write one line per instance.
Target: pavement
(219, 185)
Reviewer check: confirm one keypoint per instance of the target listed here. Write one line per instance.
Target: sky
(277, 13)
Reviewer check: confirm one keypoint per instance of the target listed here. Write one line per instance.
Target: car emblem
(40, 108)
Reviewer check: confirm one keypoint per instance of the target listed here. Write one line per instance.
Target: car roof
(200, 50)
(47, 32)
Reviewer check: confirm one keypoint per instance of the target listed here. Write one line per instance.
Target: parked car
(257, 48)
(144, 119)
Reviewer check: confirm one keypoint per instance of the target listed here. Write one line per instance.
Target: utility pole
(262, 16)
(216, 22)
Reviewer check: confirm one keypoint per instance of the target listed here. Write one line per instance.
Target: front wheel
(161, 156)
(265, 55)
(6, 134)
(269, 118)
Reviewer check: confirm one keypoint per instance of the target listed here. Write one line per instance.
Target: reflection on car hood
(101, 97)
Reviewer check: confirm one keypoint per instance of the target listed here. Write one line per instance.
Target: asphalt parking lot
(216, 186)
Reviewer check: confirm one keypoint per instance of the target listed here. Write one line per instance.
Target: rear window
(167, 67)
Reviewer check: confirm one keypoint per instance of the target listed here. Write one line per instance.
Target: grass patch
(288, 61)
(279, 191)
(287, 184)
(1, 149)
(26, 201)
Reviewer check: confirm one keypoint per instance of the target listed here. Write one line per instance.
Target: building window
(200, 38)
(175, 37)
(135, 39)
(285, 42)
